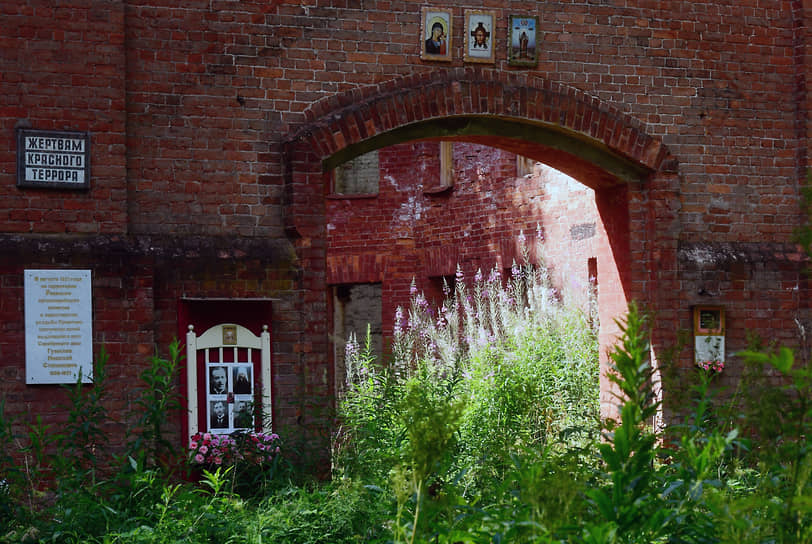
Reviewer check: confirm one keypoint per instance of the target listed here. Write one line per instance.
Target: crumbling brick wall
(212, 125)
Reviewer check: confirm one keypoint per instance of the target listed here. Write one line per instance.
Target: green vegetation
(483, 426)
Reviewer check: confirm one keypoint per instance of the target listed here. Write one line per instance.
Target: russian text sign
(53, 159)
(58, 326)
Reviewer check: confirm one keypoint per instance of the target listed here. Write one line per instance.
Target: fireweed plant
(500, 379)
(483, 427)
(629, 487)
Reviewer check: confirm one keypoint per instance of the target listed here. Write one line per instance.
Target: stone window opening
(356, 310)
(358, 177)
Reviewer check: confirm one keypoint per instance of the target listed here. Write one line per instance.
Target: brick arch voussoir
(345, 119)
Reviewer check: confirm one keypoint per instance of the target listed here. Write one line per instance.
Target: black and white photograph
(218, 380)
(243, 414)
(242, 380)
(218, 414)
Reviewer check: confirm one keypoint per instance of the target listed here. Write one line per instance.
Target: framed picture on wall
(479, 36)
(523, 40)
(435, 35)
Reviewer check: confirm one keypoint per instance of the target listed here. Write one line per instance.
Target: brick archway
(632, 173)
(352, 123)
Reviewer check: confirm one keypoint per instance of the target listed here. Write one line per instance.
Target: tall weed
(74, 488)
(630, 503)
(157, 402)
(479, 399)
(786, 496)
(82, 444)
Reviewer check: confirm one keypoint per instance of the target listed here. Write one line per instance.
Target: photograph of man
(243, 419)
(219, 415)
(218, 380)
(242, 380)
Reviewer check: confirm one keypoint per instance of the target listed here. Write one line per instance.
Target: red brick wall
(136, 297)
(477, 223)
(210, 121)
(63, 69)
(123, 323)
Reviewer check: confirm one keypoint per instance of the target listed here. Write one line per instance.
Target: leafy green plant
(343, 511)
(692, 479)
(430, 418)
(482, 428)
(788, 459)
(499, 377)
(59, 465)
(82, 443)
(369, 434)
(630, 504)
(158, 400)
(12, 477)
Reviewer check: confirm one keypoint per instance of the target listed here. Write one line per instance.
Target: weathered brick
(184, 104)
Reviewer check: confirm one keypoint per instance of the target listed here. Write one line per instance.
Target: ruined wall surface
(210, 123)
(488, 218)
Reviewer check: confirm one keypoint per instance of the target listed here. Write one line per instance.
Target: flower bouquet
(253, 456)
(711, 365)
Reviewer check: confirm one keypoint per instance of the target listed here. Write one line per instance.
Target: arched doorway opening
(633, 179)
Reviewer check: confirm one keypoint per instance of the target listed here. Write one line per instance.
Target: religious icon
(435, 34)
(479, 36)
(522, 41)
(229, 335)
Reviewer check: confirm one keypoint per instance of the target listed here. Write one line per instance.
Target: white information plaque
(58, 326)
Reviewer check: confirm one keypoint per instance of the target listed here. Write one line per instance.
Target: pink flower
(225, 450)
(715, 366)
(207, 436)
